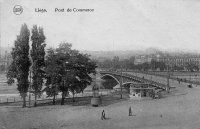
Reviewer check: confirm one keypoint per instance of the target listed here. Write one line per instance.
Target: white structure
(139, 90)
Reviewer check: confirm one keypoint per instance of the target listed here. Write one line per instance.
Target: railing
(10, 99)
(159, 75)
(170, 77)
(16, 99)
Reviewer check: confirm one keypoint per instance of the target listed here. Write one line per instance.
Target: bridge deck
(135, 78)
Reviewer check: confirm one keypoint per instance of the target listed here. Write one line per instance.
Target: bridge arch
(112, 77)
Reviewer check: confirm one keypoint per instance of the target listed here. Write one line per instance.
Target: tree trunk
(54, 97)
(29, 99)
(63, 98)
(73, 97)
(24, 100)
(35, 104)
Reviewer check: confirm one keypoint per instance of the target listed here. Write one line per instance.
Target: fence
(14, 99)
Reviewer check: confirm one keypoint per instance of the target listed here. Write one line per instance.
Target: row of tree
(116, 63)
(61, 69)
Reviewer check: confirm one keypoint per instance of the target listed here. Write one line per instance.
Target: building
(140, 90)
(142, 59)
(181, 60)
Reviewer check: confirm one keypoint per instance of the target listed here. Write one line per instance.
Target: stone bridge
(124, 78)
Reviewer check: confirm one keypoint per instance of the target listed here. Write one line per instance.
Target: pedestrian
(103, 116)
(178, 80)
(130, 112)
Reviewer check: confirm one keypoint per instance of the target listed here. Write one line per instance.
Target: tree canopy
(19, 68)
(67, 70)
(37, 56)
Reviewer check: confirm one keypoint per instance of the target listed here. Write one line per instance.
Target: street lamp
(121, 82)
(168, 77)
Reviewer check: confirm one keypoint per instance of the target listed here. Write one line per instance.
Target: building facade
(181, 60)
(169, 60)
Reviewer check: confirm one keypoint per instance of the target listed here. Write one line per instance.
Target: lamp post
(121, 83)
(96, 99)
(168, 77)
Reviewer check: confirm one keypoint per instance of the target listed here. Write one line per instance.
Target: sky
(113, 25)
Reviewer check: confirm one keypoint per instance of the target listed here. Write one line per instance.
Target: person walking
(103, 115)
(130, 112)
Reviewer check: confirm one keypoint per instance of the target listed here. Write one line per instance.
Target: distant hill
(102, 55)
(122, 54)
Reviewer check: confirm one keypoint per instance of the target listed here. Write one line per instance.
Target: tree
(125, 64)
(53, 74)
(145, 66)
(153, 64)
(11, 74)
(82, 67)
(37, 55)
(72, 70)
(192, 67)
(106, 64)
(131, 62)
(177, 68)
(115, 63)
(19, 68)
(162, 66)
(72, 82)
(63, 53)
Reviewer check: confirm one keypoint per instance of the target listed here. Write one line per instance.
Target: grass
(79, 101)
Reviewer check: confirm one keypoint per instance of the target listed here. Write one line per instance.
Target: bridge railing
(170, 77)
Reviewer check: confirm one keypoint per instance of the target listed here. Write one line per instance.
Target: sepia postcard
(99, 64)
